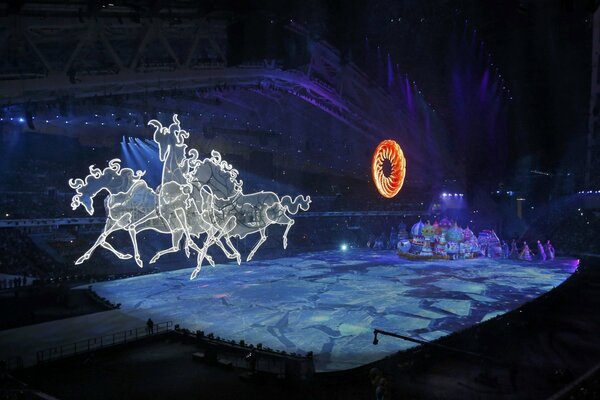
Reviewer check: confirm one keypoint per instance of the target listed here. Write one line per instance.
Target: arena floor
(329, 302)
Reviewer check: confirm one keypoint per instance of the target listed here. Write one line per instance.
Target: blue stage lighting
(21, 119)
(344, 247)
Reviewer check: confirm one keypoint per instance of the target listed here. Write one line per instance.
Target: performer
(380, 242)
(549, 250)
(505, 252)
(393, 239)
(371, 241)
(514, 252)
(526, 253)
(541, 252)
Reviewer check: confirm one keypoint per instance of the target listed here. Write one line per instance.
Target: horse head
(112, 178)
(82, 198)
(175, 129)
(161, 138)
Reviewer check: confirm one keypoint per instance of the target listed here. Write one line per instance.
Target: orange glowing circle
(389, 185)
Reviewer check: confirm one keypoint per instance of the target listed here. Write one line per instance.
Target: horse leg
(108, 229)
(229, 255)
(175, 239)
(211, 239)
(262, 239)
(191, 244)
(188, 240)
(138, 259)
(236, 253)
(217, 240)
(287, 229)
(202, 254)
(173, 229)
(117, 253)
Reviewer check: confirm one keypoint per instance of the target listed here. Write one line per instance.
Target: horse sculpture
(176, 209)
(129, 199)
(196, 197)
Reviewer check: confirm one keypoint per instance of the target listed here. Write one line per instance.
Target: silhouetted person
(150, 326)
(252, 360)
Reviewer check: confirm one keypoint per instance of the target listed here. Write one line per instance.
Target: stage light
(21, 119)
(344, 247)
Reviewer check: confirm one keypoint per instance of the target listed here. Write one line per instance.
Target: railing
(113, 339)
(12, 363)
(568, 391)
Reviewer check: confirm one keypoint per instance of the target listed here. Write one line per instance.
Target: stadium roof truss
(74, 56)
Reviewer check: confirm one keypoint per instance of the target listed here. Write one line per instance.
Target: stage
(329, 302)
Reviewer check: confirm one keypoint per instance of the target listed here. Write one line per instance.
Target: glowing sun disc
(388, 185)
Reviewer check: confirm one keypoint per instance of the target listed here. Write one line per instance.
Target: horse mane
(215, 158)
(112, 170)
(222, 167)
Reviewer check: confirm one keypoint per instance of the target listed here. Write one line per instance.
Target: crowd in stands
(23, 205)
(20, 256)
(572, 229)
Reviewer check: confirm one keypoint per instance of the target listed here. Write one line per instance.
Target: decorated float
(447, 240)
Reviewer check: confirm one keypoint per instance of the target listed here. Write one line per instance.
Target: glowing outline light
(388, 186)
(196, 197)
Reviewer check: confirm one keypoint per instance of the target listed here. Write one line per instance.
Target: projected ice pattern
(196, 199)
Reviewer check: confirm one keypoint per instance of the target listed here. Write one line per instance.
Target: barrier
(101, 342)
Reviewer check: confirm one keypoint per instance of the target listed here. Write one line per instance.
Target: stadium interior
(477, 278)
